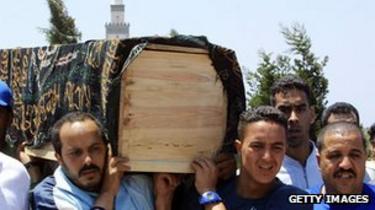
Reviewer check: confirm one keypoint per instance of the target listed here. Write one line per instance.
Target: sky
(341, 29)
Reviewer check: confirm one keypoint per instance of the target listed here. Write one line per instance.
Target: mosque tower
(117, 28)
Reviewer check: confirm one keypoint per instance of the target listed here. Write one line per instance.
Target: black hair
(371, 132)
(341, 128)
(262, 113)
(54, 132)
(339, 108)
(288, 82)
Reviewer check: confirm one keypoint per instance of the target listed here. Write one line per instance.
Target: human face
(349, 117)
(83, 153)
(262, 151)
(342, 162)
(295, 105)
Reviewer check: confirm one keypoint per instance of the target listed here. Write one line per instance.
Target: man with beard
(342, 156)
(88, 177)
(291, 95)
(14, 179)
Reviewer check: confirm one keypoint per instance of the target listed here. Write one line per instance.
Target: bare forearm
(105, 200)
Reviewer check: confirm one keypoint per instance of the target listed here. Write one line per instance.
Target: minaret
(117, 28)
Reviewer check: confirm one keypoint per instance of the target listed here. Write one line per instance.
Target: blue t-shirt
(278, 199)
(367, 190)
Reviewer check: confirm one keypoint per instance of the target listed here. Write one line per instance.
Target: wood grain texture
(173, 109)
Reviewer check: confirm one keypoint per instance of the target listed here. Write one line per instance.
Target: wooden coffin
(173, 108)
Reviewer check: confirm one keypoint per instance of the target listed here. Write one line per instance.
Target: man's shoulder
(11, 164)
(369, 189)
(13, 170)
(279, 198)
(285, 188)
(46, 184)
(42, 195)
(44, 190)
(135, 193)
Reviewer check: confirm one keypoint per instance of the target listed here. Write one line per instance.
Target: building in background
(117, 28)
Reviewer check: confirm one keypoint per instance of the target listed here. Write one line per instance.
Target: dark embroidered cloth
(48, 82)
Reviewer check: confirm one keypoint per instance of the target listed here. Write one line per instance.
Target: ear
(312, 115)
(238, 145)
(58, 158)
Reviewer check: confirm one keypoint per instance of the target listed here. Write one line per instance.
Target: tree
(62, 29)
(299, 60)
(173, 32)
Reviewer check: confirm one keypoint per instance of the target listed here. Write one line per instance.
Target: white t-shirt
(304, 177)
(14, 184)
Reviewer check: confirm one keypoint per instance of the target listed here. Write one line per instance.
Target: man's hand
(31, 163)
(164, 186)
(206, 175)
(113, 175)
(22, 156)
(112, 180)
(226, 165)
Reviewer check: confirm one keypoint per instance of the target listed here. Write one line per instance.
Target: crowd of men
(280, 166)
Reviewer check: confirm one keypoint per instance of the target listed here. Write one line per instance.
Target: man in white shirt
(14, 179)
(292, 96)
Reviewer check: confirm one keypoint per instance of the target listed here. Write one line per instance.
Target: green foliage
(299, 60)
(267, 73)
(173, 32)
(62, 29)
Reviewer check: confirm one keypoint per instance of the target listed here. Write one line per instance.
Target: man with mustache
(342, 156)
(292, 96)
(88, 177)
(346, 112)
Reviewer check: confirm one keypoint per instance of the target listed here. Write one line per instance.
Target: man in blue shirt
(342, 156)
(261, 146)
(88, 177)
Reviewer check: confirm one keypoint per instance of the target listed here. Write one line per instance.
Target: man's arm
(206, 176)
(226, 165)
(111, 183)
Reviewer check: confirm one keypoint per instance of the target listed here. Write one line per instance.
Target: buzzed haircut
(54, 132)
(262, 113)
(339, 108)
(371, 132)
(338, 128)
(289, 82)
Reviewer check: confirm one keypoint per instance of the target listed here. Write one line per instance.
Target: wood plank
(150, 151)
(174, 48)
(173, 109)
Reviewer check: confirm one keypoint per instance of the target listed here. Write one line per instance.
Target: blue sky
(342, 29)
